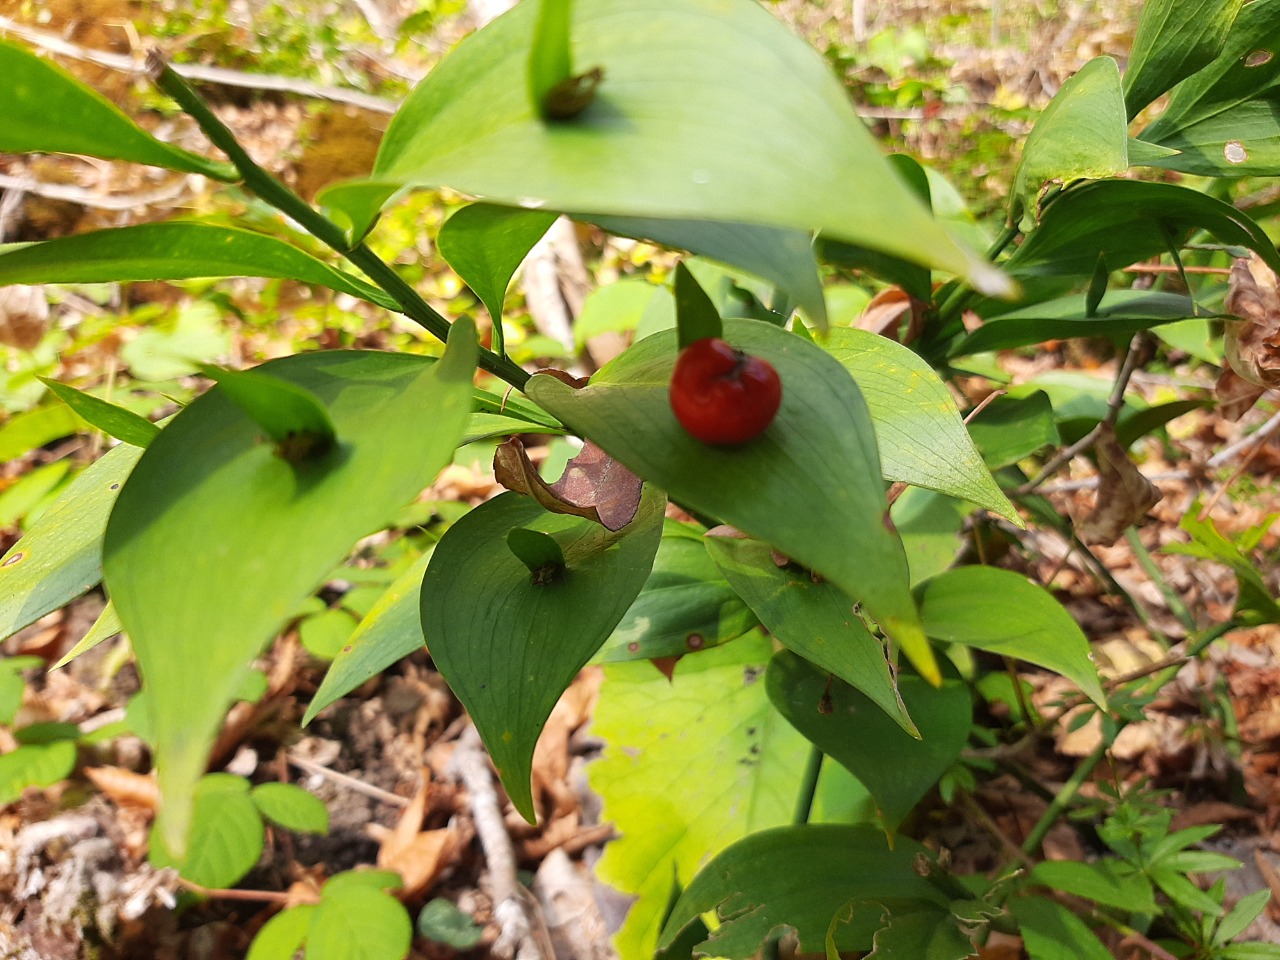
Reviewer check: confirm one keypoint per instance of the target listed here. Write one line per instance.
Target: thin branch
(1264, 431)
(252, 896)
(87, 198)
(359, 786)
(1114, 404)
(511, 909)
(1173, 268)
(274, 83)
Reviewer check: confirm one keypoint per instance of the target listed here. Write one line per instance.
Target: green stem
(1065, 797)
(808, 786)
(1152, 570)
(262, 184)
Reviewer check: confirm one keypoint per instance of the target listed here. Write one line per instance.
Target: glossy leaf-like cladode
(46, 110)
(508, 639)
(216, 539)
(706, 111)
(1174, 39)
(819, 456)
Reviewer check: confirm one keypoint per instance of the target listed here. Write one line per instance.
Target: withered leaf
(594, 485)
(24, 316)
(886, 311)
(1236, 395)
(1124, 494)
(1252, 343)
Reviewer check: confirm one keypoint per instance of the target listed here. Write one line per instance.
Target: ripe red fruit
(721, 395)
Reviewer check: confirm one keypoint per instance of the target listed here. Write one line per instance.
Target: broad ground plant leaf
(819, 456)
(282, 936)
(1051, 931)
(35, 765)
(1005, 613)
(61, 555)
(698, 117)
(226, 834)
(915, 931)
(1108, 881)
(215, 539)
(49, 111)
(173, 251)
(1175, 39)
(1082, 134)
(685, 605)
(1254, 602)
(898, 769)
(389, 632)
(485, 245)
(783, 257)
(359, 922)
(1125, 221)
(291, 807)
(691, 764)
(509, 642)
(1221, 120)
(919, 432)
(801, 877)
(814, 618)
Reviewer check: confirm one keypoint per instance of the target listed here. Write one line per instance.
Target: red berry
(721, 395)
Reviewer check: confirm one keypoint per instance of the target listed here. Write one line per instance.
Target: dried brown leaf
(124, 787)
(417, 855)
(1124, 494)
(1236, 395)
(24, 316)
(1253, 342)
(594, 485)
(886, 311)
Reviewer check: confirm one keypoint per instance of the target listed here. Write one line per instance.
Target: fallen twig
(359, 786)
(512, 910)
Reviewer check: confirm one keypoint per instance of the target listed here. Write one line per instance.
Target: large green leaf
(813, 617)
(61, 555)
(919, 432)
(690, 765)
(783, 257)
(47, 110)
(1124, 221)
(684, 606)
(707, 111)
(1120, 314)
(485, 245)
(1175, 38)
(897, 768)
(1082, 133)
(173, 251)
(508, 644)
(215, 540)
(1222, 119)
(1011, 428)
(390, 631)
(360, 923)
(818, 457)
(1005, 613)
(800, 877)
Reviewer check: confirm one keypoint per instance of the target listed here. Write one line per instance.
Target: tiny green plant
(792, 477)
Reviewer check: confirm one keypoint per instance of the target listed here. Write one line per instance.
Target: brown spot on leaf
(695, 641)
(16, 558)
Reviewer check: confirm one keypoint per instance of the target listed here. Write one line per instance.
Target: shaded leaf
(1109, 882)
(440, 920)
(921, 931)
(696, 316)
(814, 618)
(216, 540)
(509, 661)
(1011, 428)
(1005, 613)
(684, 606)
(737, 92)
(819, 455)
(1175, 39)
(753, 890)
(1052, 932)
(895, 767)
(293, 417)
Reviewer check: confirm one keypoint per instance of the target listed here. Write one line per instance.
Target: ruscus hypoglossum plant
(830, 654)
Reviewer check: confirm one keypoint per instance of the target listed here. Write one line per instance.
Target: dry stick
(192, 71)
(1173, 268)
(470, 765)
(86, 198)
(1089, 439)
(359, 786)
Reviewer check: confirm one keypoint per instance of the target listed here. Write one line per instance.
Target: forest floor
(74, 878)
